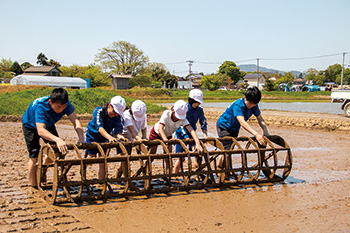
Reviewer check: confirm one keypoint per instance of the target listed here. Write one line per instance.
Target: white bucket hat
(180, 108)
(139, 109)
(118, 104)
(197, 95)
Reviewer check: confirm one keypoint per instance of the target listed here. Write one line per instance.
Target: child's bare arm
(106, 135)
(77, 126)
(195, 137)
(262, 125)
(144, 133)
(161, 132)
(133, 132)
(247, 127)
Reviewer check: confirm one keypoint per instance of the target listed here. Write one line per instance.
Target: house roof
(40, 69)
(253, 76)
(128, 76)
(299, 80)
(194, 75)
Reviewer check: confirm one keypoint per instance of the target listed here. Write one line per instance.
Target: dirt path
(314, 198)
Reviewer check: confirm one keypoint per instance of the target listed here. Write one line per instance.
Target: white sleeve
(127, 120)
(164, 118)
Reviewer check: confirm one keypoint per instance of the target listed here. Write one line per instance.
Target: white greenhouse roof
(50, 81)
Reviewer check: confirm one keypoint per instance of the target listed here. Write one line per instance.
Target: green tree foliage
(243, 85)
(93, 72)
(160, 74)
(318, 77)
(286, 78)
(269, 85)
(231, 70)
(141, 80)
(41, 59)
(25, 65)
(332, 72)
(213, 82)
(97, 76)
(5, 69)
(346, 77)
(54, 63)
(123, 58)
(16, 68)
(155, 74)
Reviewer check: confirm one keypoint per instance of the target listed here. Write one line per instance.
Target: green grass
(16, 99)
(84, 100)
(228, 96)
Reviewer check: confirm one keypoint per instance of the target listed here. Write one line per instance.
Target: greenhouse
(50, 81)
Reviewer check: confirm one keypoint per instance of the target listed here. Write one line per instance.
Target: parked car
(310, 88)
(330, 85)
(342, 96)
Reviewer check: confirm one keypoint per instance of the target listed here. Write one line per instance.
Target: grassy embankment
(15, 99)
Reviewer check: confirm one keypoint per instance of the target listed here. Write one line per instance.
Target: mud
(315, 197)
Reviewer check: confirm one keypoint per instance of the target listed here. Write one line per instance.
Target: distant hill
(253, 68)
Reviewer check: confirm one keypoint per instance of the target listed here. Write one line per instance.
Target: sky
(283, 35)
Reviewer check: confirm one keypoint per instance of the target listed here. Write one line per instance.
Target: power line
(301, 58)
(175, 63)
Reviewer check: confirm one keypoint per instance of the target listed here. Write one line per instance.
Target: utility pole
(257, 66)
(190, 62)
(342, 72)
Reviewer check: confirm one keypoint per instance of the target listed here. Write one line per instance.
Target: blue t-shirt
(192, 115)
(113, 126)
(228, 120)
(40, 111)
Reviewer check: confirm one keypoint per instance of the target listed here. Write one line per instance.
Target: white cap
(118, 104)
(180, 108)
(139, 109)
(197, 95)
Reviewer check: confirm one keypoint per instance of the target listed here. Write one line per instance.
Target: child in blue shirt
(39, 120)
(194, 114)
(106, 126)
(237, 115)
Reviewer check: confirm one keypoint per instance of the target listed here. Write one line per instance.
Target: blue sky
(173, 32)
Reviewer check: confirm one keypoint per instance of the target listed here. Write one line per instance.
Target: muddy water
(315, 197)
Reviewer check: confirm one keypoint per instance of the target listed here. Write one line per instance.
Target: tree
(97, 76)
(269, 85)
(319, 79)
(141, 80)
(231, 70)
(123, 58)
(346, 77)
(286, 78)
(213, 82)
(25, 65)
(54, 63)
(5, 69)
(41, 59)
(93, 72)
(332, 72)
(16, 68)
(5, 65)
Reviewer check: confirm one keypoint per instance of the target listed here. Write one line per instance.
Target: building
(299, 82)
(191, 81)
(251, 79)
(49, 81)
(42, 71)
(120, 81)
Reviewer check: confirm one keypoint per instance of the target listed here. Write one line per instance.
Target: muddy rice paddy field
(314, 198)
